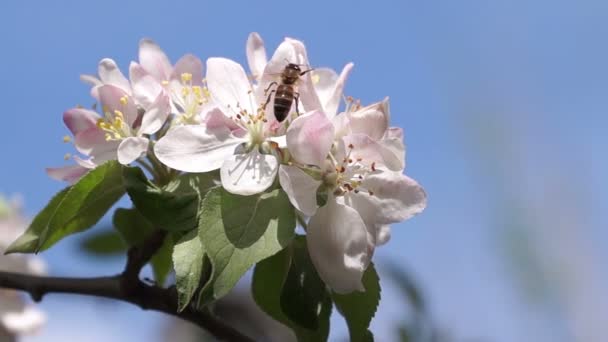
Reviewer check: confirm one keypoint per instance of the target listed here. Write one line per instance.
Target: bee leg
(269, 86)
(296, 97)
(268, 99)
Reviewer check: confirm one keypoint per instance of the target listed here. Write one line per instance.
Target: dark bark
(126, 287)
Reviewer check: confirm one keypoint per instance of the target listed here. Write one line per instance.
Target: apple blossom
(120, 132)
(16, 316)
(239, 144)
(364, 187)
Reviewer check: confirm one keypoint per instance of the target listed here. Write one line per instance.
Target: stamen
(66, 139)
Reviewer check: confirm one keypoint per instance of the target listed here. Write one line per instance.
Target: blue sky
(502, 102)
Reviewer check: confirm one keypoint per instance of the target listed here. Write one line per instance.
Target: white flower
(16, 316)
(235, 137)
(363, 194)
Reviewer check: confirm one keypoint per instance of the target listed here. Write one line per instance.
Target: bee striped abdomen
(283, 98)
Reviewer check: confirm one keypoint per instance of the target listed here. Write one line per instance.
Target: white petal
(229, 86)
(370, 151)
(306, 89)
(309, 138)
(256, 54)
(371, 120)
(90, 80)
(395, 198)
(196, 148)
(132, 148)
(155, 116)
(300, 188)
(339, 247)
(145, 87)
(334, 96)
(249, 173)
(26, 320)
(154, 60)
(109, 73)
(383, 234)
(393, 147)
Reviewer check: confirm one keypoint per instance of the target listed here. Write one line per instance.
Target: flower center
(347, 175)
(114, 124)
(193, 98)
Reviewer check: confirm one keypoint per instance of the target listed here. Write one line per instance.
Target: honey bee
(285, 92)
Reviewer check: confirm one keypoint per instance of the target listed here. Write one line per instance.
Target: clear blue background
(504, 106)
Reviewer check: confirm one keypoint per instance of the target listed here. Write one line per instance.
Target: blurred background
(503, 104)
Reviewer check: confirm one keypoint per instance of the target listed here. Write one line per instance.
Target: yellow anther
(164, 82)
(119, 115)
(66, 139)
(186, 77)
(124, 100)
(67, 156)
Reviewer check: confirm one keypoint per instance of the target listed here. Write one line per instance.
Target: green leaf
(279, 292)
(239, 231)
(188, 256)
(104, 243)
(303, 292)
(161, 261)
(27, 242)
(134, 230)
(173, 207)
(358, 308)
(132, 226)
(74, 209)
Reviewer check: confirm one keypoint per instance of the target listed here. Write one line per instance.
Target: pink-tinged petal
(196, 148)
(70, 173)
(248, 173)
(80, 119)
(309, 138)
(92, 142)
(339, 247)
(188, 64)
(256, 54)
(300, 188)
(229, 86)
(154, 60)
(25, 319)
(216, 118)
(145, 87)
(371, 120)
(395, 198)
(370, 152)
(111, 98)
(109, 73)
(334, 96)
(156, 115)
(132, 148)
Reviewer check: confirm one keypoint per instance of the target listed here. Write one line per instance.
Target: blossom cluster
(341, 166)
(16, 316)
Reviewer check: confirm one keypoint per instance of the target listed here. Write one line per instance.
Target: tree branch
(126, 287)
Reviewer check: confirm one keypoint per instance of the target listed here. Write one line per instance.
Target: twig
(126, 287)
